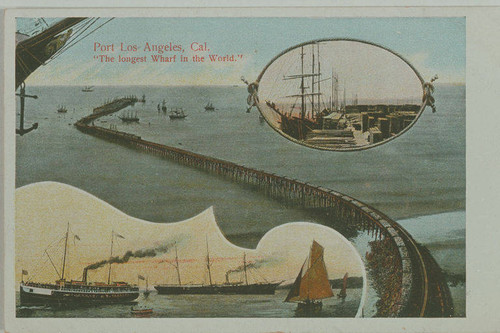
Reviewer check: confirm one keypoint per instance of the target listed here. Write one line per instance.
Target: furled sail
(313, 283)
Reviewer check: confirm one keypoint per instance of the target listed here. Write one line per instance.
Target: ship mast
(65, 250)
(312, 82)
(111, 255)
(177, 266)
(344, 102)
(302, 88)
(245, 267)
(319, 83)
(208, 264)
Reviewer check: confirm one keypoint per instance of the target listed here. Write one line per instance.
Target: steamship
(227, 288)
(64, 292)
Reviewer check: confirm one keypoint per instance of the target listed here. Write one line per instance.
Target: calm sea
(420, 173)
(211, 306)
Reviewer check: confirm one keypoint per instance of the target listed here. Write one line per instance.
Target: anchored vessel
(307, 115)
(177, 114)
(164, 106)
(76, 292)
(312, 284)
(230, 288)
(209, 107)
(129, 117)
(62, 109)
(88, 89)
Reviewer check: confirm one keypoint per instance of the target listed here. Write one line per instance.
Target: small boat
(177, 113)
(164, 106)
(62, 109)
(209, 107)
(88, 89)
(343, 292)
(146, 292)
(141, 311)
(312, 284)
(129, 118)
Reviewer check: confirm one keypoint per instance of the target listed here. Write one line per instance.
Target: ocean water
(444, 236)
(420, 173)
(210, 306)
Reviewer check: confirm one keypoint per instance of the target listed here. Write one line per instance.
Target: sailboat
(62, 109)
(227, 288)
(177, 113)
(75, 292)
(164, 106)
(209, 107)
(343, 292)
(309, 118)
(312, 284)
(129, 117)
(88, 89)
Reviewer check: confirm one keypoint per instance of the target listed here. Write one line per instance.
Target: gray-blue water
(192, 306)
(420, 173)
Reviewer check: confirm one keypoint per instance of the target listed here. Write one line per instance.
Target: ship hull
(251, 289)
(308, 309)
(45, 296)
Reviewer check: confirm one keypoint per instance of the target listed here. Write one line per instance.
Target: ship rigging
(75, 292)
(42, 45)
(227, 288)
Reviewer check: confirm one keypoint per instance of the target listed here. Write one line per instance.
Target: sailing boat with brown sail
(312, 284)
(343, 292)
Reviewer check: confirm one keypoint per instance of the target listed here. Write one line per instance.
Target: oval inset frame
(368, 146)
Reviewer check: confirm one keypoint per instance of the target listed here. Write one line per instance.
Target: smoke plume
(142, 253)
(256, 264)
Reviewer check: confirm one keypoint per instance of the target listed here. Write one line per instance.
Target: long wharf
(420, 289)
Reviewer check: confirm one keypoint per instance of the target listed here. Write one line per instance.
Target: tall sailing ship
(315, 113)
(312, 284)
(73, 292)
(228, 288)
(309, 118)
(129, 117)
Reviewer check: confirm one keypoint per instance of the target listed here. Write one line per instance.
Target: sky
(432, 45)
(44, 209)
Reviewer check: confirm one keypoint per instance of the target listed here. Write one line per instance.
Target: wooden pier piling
(411, 300)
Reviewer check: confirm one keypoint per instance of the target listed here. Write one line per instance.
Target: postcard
(220, 170)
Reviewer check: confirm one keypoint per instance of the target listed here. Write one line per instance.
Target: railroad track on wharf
(423, 291)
